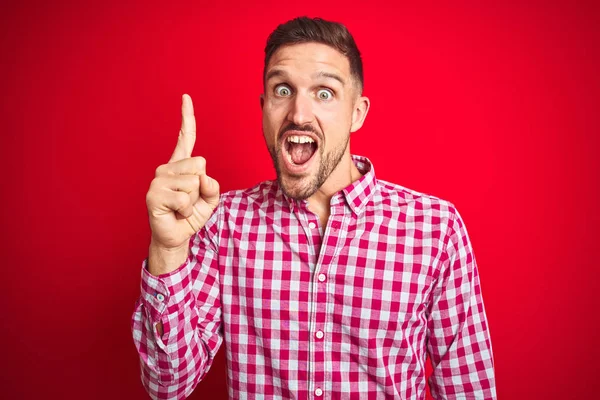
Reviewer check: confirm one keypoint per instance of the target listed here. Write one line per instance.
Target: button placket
(329, 248)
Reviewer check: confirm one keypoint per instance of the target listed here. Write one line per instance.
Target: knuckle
(156, 183)
(149, 198)
(152, 198)
(200, 163)
(161, 170)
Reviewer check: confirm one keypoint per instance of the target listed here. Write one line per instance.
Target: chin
(298, 188)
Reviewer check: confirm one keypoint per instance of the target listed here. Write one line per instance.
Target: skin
(301, 91)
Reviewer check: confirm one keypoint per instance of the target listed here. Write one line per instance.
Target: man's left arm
(458, 339)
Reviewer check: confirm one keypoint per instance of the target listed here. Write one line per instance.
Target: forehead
(305, 57)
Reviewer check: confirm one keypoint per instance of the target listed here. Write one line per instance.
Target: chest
(375, 268)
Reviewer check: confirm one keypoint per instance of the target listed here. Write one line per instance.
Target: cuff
(166, 290)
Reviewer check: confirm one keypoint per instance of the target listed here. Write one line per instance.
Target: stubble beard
(303, 187)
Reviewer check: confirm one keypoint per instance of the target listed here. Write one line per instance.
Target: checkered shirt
(345, 311)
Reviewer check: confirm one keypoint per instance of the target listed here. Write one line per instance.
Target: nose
(301, 111)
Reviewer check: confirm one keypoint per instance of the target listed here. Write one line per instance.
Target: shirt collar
(357, 194)
(360, 192)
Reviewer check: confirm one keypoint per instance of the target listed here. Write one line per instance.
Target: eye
(324, 94)
(283, 90)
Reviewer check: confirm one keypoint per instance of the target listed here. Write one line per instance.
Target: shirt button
(322, 277)
(312, 225)
(160, 297)
(318, 392)
(319, 334)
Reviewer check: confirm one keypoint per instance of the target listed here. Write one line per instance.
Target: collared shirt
(344, 311)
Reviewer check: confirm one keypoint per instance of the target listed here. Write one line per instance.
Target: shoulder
(255, 197)
(430, 215)
(414, 202)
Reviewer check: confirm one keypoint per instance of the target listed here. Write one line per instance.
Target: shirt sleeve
(458, 340)
(187, 302)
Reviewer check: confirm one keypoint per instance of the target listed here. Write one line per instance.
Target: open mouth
(299, 149)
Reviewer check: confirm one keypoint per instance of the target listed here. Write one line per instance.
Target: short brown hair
(305, 30)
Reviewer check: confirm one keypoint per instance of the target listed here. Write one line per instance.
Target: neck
(342, 176)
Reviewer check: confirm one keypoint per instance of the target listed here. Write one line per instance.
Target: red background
(493, 107)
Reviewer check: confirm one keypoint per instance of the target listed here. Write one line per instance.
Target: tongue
(301, 152)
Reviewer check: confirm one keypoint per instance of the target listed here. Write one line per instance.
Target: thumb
(209, 191)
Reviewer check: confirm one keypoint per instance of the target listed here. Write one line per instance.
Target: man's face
(308, 114)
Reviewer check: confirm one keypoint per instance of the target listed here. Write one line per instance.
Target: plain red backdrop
(493, 107)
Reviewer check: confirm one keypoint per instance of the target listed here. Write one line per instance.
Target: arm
(186, 302)
(458, 338)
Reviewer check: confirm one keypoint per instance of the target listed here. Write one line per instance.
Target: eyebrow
(321, 74)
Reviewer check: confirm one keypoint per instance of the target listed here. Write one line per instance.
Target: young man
(326, 283)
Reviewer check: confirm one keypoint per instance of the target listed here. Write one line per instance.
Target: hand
(181, 197)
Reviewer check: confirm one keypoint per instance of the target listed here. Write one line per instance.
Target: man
(325, 283)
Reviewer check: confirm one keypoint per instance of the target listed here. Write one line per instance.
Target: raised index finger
(187, 133)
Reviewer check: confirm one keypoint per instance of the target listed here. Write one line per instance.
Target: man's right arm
(186, 302)
(176, 322)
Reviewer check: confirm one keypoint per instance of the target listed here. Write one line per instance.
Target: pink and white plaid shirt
(346, 311)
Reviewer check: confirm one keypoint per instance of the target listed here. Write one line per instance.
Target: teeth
(300, 139)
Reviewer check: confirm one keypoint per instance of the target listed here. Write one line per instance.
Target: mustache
(303, 128)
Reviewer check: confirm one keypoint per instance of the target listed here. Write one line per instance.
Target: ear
(361, 108)
(262, 100)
